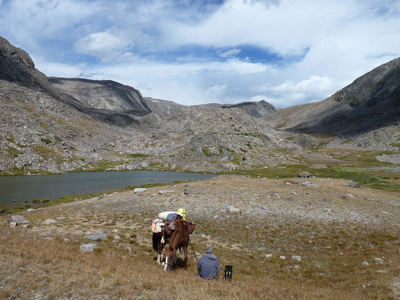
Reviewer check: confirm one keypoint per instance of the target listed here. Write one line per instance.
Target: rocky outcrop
(254, 109)
(103, 94)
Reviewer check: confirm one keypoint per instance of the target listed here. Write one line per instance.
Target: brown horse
(179, 239)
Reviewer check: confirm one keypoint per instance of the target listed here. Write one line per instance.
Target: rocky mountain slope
(59, 125)
(367, 111)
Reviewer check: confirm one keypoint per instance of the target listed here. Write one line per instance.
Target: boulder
(188, 192)
(19, 220)
(233, 210)
(304, 175)
(97, 236)
(139, 190)
(88, 247)
(353, 184)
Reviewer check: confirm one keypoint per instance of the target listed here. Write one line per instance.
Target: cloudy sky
(286, 52)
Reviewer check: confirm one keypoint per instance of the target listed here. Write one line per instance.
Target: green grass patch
(17, 210)
(42, 200)
(13, 151)
(206, 152)
(47, 141)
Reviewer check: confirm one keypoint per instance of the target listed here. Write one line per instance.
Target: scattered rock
(378, 260)
(139, 190)
(282, 257)
(49, 221)
(188, 192)
(307, 183)
(304, 175)
(353, 184)
(394, 203)
(275, 195)
(88, 247)
(233, 210)
(268, 255)
(296, 257)
(365, 263)
(348, 196)
(97, 236)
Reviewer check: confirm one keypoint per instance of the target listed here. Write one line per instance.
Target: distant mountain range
(70, 124)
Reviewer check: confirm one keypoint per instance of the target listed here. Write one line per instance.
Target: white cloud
(229, 53)
(312, 47)
(105, 45)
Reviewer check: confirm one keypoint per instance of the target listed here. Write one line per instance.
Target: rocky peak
(17, 66)
(254, 109)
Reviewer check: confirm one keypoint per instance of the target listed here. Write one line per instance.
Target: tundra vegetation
(293, 238)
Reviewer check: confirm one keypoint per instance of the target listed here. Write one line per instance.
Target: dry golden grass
(332, 244)
(57, 270)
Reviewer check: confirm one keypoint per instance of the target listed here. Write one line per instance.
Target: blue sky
(286, 52)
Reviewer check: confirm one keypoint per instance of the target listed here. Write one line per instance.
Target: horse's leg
(159, 258)
(185, 251)
(169, 258)
(166, 260)
(162, 257)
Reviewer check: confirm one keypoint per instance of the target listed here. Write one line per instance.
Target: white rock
(268, 255)
(296, 257)
(233, 210)
(365, 263)
(282, 257)
(139, 190)
(49, 221)
(13, 224)
(88, 247)
(378, 260)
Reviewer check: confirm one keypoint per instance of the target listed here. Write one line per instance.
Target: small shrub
(47, 141)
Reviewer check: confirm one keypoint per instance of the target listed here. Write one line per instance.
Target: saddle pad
(168, 215)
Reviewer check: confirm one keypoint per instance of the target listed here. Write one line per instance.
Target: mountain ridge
(73, 124)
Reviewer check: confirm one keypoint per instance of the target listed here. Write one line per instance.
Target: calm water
(16, 190)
